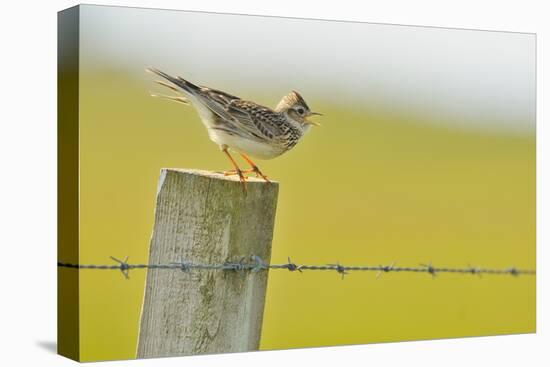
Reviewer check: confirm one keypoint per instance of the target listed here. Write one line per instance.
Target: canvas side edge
(68, 324)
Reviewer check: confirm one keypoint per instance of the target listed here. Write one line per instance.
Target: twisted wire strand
(255, 264)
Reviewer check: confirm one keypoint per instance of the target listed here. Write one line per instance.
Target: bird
(242, 126)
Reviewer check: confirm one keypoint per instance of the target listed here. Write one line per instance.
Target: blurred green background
(368, 187)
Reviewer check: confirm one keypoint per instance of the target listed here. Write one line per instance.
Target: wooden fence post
(204, 217)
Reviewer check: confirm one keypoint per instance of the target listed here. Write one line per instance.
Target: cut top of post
(217, 175)
(252, 184)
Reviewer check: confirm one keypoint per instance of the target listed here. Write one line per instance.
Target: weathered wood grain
(204, 217)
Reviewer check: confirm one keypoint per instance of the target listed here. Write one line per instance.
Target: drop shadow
(48, 345)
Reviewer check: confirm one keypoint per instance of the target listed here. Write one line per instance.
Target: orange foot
(240, 173)
(259, 173)
(255, 168)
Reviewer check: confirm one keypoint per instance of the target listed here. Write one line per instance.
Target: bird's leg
(237, 169)
(255, 168)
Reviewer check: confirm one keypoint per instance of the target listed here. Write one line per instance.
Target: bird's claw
(254, 170)
(259, 173)
(240, 173)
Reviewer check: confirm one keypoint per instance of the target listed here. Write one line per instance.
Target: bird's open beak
(313, 122)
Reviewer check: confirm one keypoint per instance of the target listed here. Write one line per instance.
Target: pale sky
(479, 79)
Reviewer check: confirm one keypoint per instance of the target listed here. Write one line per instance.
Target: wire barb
(183, 265)
(474, 270)
(124, 266)
(259, 264)
(291, 266)
(430, 269)
(385, 269)
(339, 268)
(238, 266)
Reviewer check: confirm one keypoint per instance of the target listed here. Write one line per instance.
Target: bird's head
(296, 109)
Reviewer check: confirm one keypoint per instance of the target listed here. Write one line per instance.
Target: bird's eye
(300, 110)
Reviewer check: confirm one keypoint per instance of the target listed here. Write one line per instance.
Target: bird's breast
(254, 148)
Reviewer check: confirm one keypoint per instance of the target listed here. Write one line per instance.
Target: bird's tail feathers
(178, 99)
(177, 81)
(168, 85)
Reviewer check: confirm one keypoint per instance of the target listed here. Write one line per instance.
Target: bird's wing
(255, 118)
(217, 101)
(246, 118)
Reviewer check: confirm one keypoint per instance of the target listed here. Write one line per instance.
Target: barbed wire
(255, 264)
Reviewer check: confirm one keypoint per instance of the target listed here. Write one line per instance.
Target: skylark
(243, 126)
